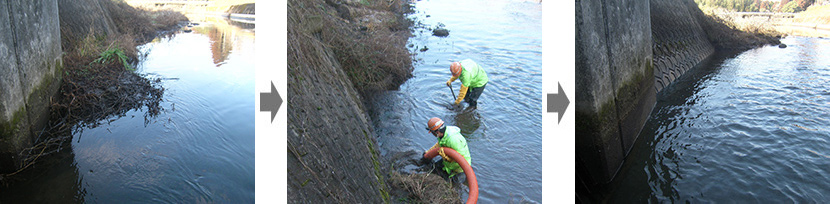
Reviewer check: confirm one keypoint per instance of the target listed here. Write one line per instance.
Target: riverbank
(814, 15)
(813, 22)
(727, 33)
(99, 39)
(339, 54)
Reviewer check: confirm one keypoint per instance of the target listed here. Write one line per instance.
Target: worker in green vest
(449, 136)
(472, 76)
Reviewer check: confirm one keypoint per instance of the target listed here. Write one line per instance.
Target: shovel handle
(453, 93)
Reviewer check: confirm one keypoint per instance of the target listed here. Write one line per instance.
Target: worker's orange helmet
(455, 68)
(434, 124)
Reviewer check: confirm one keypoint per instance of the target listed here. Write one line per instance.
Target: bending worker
(449, 136)
(473, 77)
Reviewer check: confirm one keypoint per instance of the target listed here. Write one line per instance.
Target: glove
(437, 145)
(449, 82)
(444, 156)
(425, 161)
(461, 94)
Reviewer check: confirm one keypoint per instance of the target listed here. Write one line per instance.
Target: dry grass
(728, 34)
(370, 48)
(142, 23)
(814, 14)
(134, 26)
(425, 188)
(244, 9)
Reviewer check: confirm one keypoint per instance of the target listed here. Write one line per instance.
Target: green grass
(114, 55)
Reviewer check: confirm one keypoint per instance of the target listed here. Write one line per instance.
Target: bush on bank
(367, 37)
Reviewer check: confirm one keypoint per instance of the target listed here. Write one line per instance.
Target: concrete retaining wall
(332, 152)
(614, 73)
(30, 67)
(626, 52)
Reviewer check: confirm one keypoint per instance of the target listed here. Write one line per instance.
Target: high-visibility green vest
(472, 75)
(453, 139)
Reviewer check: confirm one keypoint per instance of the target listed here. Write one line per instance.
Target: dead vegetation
(142, 23)
(365, 40)
(726, 33)
(814, 14)
(98, 78)
(424, 188)
(367, 37)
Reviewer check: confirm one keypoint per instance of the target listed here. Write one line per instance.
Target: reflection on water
(200, 149)
(504, 133)
(222, 34)
(748, 127)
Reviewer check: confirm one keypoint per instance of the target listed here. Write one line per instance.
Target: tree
(803, 4)
(790, 7)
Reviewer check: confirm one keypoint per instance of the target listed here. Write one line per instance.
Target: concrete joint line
(20, 73)
(606, 23)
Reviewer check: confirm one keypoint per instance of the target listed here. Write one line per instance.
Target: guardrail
(764, 14)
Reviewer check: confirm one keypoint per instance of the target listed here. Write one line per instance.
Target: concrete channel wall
(626, 52)
(614, 82)
(30, 67)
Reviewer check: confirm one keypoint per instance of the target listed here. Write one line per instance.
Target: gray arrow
(270, 101)
(558, 102)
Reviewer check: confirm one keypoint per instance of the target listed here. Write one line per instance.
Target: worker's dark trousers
(438, 168)
(473, 94)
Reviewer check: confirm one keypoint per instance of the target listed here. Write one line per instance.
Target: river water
(505, 133)
(200, 149)
(748, 127)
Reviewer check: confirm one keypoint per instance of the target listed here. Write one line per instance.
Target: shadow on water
(663, 165)
(468, 120)
(39, 185)
(50, 173)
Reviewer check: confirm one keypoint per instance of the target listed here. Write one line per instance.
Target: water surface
(200, 149)
(748, 127)
(505, 133)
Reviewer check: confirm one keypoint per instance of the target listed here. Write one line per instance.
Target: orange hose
(468, 170)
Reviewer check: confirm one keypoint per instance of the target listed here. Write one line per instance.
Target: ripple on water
(749, 129)
(504, 133)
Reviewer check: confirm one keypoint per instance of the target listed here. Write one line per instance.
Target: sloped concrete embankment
(331, 154)
(80, 18)
(338, 50)
(680, 41)
(30, 73)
